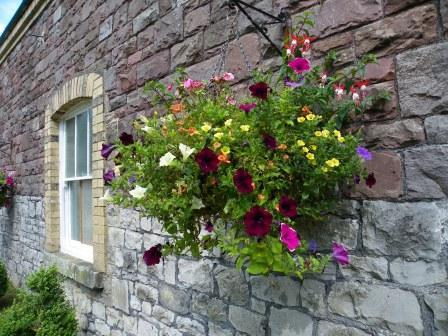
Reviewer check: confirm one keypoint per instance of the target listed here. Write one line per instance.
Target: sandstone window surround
(84, 88)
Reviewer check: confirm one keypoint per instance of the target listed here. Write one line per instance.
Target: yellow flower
(206, 127)
(332, 163)
(310, 116)
(228, 123)
(310, 156)
(245, 128)
(318, 133)
(225, 150)
(300, 119)
(341, 139)
(300, 143)
(324, 169)
(305, 149)
(218, 135)
(313, 147)
(325, 133)
(337, 133)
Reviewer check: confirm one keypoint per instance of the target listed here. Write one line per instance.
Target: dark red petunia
(269, 141)
(152, 256)
(259, 90)
(106, 150)
(287, 207)
(207, 160)
(126, 139)
(247, 107)
(243, 181)
(257, 222)
(370, 180)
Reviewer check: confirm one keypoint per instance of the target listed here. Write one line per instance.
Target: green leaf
(257, 268)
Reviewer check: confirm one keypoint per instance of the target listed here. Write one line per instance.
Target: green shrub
(41, 309)
(3, 279)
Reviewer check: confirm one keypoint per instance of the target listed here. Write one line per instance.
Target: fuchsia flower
(243, 181)
(370, 180)
(340, 254)
(247, 107)
(126, 139)
(10, 179)
(257, 222)
(300, 65)
(207, 160)
(339, 90)
(269, 141)
(106, 150)
(287, 207)
(152, 256)
(364, 153)
(289, 237)
(259, 90)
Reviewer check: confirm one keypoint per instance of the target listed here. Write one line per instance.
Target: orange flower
(282, 147)
(223, 158)
(192, 131)
(286, 157)
(180, 123)
(261, 197)
(306, 110)
(177, 108)
(277, 207)
(181, 129)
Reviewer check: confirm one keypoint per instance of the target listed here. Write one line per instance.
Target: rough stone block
(154, 67)
(163, 315)
(409, 230)
(366, 268)
(213, 308)
(120, 299)
(216, 330)
(236, 62)
(231, 285)
(187, 52)
(196, 20)
(196, 274)
(422, 80)
(145, 328)
(145, 18)
(169, 29)
(392, 6)
(335, 42)
(384, 110)
(379, 306)
(438, 302)
(427, 172)
(383, 70)
(288, 322)
(313, 295)
(418, 273)
(388, 173)
(247, 321)
(437, 129)
(189, 326)
(325, 328)
(410, 29)
(106, 28)
(279, 289)
(174, 299)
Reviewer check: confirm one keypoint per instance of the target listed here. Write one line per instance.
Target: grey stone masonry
(396, 231)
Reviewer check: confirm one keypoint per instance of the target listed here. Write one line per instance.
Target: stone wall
(397, 232)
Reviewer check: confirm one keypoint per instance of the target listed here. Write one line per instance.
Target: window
(76, 182)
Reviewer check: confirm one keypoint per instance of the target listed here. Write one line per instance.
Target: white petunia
(138, 192)
(107, 196)
(166, 160)
(185, 151)
(196, 203)
(147, 129)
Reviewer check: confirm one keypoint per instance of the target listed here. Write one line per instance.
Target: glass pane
(86, 211)
(82, 143)
(72, 208)
(70, 147)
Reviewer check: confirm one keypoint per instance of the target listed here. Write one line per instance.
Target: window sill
(76, 269)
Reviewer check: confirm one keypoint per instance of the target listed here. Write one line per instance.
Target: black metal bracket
(283, 18)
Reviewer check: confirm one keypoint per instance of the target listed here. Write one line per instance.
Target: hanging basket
(6, 195)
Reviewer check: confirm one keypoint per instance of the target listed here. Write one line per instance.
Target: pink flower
(191, 85)
(188, 83)
(300, 65)
(228, 76)
(340, 254)
(289, 237)
(231, 100)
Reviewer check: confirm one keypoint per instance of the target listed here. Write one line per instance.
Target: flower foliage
(6, 188)
(245, 174)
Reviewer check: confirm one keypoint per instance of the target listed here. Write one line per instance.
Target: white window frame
(68, 245)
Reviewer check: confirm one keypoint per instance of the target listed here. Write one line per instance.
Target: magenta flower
(300, 65)
(207, 160)
(108, 176)
(9, 180)
(247, 107)
(259, 90)
(106, 150)
(126, 139)
(287, 207)
(289, 237)
(370, 180)
(243, 181)
(152, 256)
(364, 153)
(269, 141)
(209, 226)
(340, 254)
(257, 222)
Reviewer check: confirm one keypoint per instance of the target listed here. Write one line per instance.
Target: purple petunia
(108, 176)
(364, 153)
(106, 150)
(312, 246)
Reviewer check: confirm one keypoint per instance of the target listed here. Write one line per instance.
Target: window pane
(72, 208)
(70, 147)
(82, 130)
(86, 211)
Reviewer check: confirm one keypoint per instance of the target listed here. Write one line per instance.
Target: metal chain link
(246, 59)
